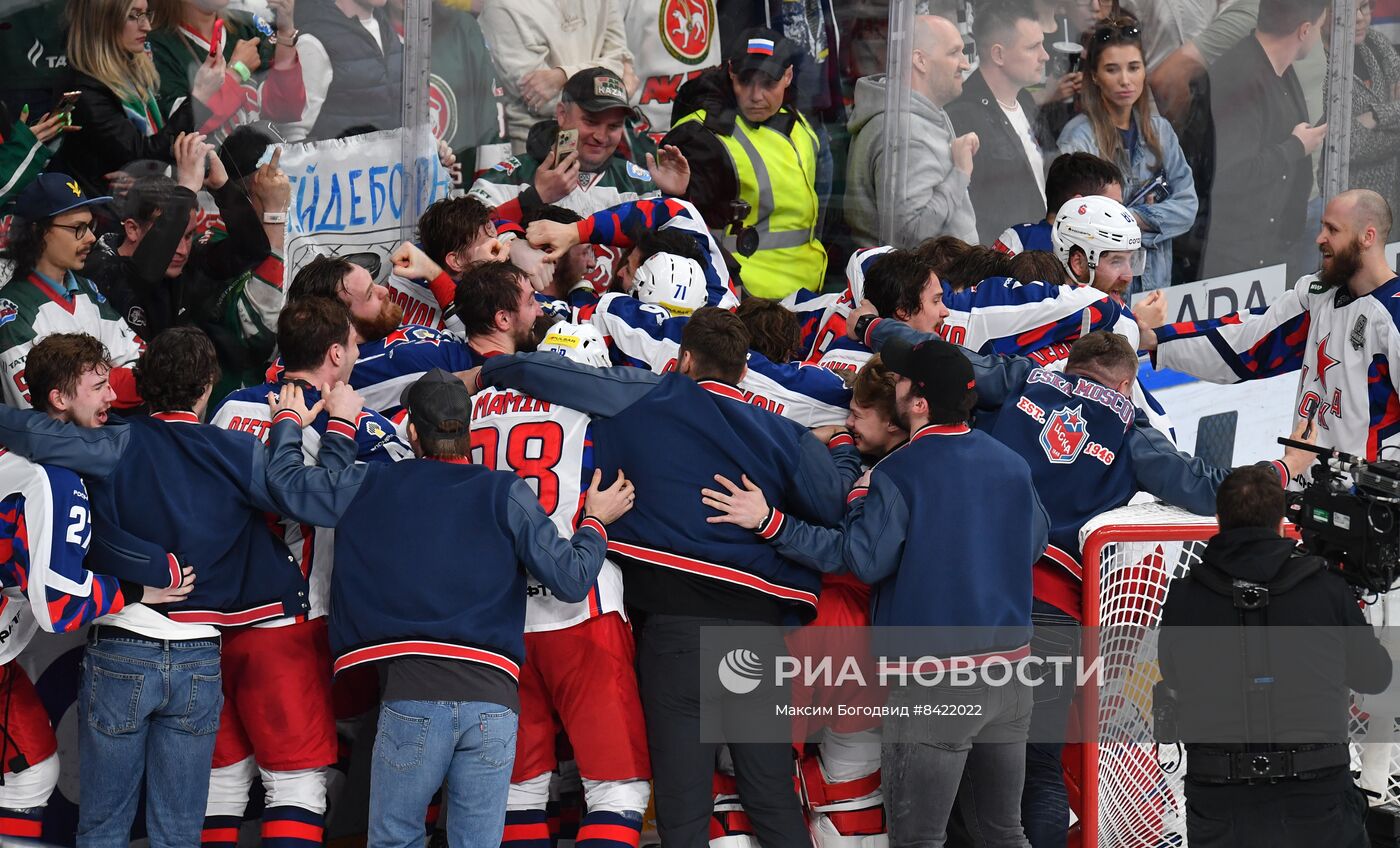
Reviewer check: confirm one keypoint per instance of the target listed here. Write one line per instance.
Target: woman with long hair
(1116, 123)
(117, 114)
(264, 72)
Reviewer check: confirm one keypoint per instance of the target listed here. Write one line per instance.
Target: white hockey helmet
(1098, 225)
(674, 283)
(855, 273)
(579, 342)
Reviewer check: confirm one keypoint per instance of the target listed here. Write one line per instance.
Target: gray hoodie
(935, 200)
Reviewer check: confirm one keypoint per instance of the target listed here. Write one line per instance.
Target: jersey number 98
(532, 450)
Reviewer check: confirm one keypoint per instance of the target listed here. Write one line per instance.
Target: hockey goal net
(1132, 792)
(1130, 799)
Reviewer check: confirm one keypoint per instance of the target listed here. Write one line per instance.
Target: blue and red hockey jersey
(45, 532)
(617, 226)
(646, 336)
(1347, 349)
(1018, 238)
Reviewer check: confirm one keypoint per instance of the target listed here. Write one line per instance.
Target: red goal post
(1130, 556)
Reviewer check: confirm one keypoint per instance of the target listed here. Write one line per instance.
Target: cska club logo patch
(687, 28)
(1064, 435)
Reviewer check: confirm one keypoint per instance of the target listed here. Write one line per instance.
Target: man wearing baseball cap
(593, 103)
(773, 153)
(931, 564)
(50, 240)
(444, 626)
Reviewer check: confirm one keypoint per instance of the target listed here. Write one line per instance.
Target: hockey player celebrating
(447, 640)
(550, 446)
(626, 226)
(839, 776)
(902, 286)
(681, 570)
(46, 537)
(455, 233)
(1341, 327)
(391, 353)
(1082, 437)
(263, 733)
(645, 330)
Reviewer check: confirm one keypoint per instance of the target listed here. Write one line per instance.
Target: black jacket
(1004, 190)
(150, 303)
(1262, 175)
(1320, 648)
(108, 140)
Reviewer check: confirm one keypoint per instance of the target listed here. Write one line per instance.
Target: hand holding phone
(69, 100)
(64, 109)
(559, 175)
(564, 144)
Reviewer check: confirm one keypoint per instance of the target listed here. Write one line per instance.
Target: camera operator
(1265, 727)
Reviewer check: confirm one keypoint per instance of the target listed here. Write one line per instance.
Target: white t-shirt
(1022, 124)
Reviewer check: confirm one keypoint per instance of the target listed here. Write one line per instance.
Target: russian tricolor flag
(761, 46)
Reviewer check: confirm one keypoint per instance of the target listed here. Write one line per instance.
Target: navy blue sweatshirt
(197, 490)
(671, 435)
(448, 583)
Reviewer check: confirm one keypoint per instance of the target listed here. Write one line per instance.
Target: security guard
(1265, 725)
(774, 152)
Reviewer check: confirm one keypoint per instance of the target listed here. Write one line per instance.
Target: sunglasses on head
(1111, 30)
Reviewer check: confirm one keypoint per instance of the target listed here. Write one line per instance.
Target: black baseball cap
(941, 374)
(438, 404)
(243, 148)
(50, 195)
(762, 49)
(596, 90)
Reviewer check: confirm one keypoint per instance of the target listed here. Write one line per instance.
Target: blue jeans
(470, 744)
(1045, 801)
(152, 708)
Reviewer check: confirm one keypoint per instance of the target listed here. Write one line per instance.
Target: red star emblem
(1324, 362)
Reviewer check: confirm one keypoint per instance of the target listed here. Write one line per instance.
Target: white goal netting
(1133, 800)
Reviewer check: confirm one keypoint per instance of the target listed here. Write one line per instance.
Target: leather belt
(1216, 766)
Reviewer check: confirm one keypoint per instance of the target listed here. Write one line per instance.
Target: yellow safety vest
(772, 165)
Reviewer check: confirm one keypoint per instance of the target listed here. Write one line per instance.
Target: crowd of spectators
(693, 153)
(1171, 93)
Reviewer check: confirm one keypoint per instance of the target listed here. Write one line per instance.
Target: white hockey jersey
(645, 335)
(30, 310)
(999, 315)
(1346, 348)
(549, 447)
(671, 41)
